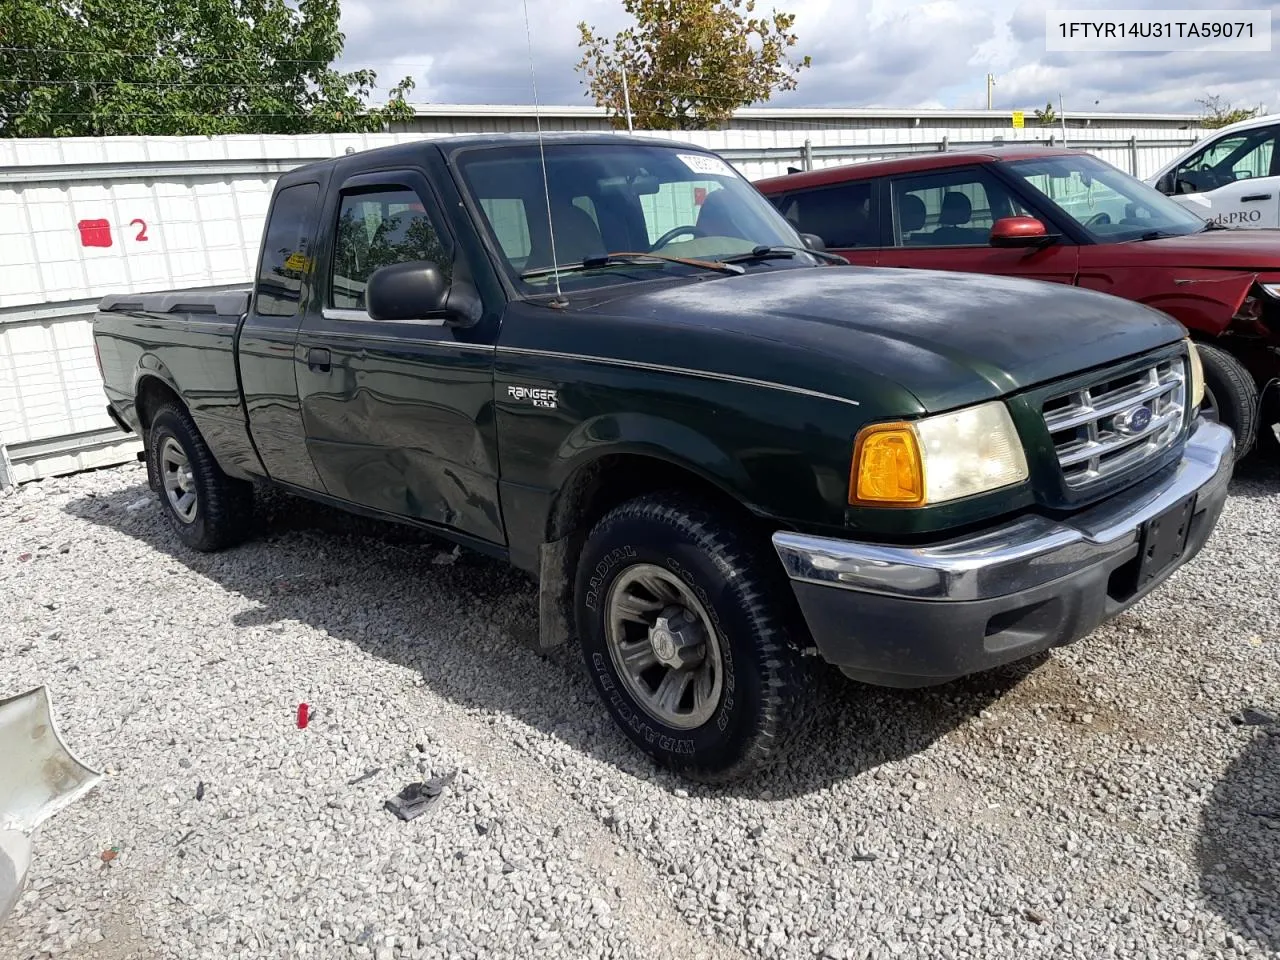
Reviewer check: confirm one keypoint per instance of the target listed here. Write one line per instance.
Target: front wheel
(686, 639)
(1230, 396)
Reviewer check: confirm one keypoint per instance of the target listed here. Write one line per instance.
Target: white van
(1231, 177)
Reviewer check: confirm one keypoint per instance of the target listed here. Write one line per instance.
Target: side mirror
(814, 242)
(1165, 184)
(408, 291)
(1021, 232)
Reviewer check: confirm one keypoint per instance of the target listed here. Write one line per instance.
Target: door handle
(318, 359)
(1254, 197)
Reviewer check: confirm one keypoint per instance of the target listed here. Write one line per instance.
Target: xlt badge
(538, 396)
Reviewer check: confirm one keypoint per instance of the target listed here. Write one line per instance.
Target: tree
(1048, 116)
(181, 67)
(1219, 112)
(689, 63)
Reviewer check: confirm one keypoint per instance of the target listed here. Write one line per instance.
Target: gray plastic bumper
(914, 616)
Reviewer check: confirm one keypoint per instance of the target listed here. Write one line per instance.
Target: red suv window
(844, 215)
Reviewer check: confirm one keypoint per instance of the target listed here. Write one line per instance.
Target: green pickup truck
(611, 362)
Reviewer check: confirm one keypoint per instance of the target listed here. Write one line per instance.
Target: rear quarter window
(286, 260)
(844, 215)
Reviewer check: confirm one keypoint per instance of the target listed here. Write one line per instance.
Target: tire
(1268, 447)
(1231, 396)
(722, 729)
(207, 509)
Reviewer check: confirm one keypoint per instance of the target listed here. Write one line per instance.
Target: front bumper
(916, 616)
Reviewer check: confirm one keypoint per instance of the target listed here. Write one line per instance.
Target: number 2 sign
(97, 233)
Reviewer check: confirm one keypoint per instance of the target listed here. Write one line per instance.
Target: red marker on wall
(304, 716)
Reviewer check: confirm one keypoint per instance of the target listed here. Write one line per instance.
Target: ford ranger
(611, 362)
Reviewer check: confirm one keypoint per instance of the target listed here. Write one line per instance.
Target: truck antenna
(546, 183)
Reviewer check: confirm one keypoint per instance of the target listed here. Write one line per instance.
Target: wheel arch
(609, 460)
(152, 388)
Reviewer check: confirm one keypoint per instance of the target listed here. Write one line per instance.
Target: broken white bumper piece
(39, 777)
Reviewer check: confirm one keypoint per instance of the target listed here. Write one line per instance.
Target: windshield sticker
(702, 163)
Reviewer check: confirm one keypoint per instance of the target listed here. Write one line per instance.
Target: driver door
(397, 414)
(1234, 181)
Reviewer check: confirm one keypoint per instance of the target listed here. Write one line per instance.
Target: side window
(286, 257)
(949, 209)
(510, 224)
(843, 215)
(1241, 156)
(376, 229)
(1087, 200)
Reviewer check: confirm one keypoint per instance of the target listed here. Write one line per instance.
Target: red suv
(1066, 217)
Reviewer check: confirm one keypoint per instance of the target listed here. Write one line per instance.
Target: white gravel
(1099, 803)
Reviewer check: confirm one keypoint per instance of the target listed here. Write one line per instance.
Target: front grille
(1100, 430)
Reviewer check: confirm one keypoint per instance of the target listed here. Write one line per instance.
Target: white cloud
(894, 53)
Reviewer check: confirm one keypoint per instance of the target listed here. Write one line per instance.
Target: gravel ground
(1098, 802)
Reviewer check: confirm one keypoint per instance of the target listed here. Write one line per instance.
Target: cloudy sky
(889, 53)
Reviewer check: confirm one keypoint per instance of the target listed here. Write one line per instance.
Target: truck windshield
(623, 198)
(1111, 206)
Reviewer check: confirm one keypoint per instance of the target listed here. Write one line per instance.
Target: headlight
(1197, 375)
(1272, 289)
(936, 459)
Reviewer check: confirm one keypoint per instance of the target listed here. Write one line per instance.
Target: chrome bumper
(1021, 555)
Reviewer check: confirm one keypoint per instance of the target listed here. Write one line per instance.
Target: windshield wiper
(1212, 225)
(779, 252)
(610, 259)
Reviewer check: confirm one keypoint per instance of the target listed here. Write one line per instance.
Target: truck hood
(1255, 251)
(948, 338)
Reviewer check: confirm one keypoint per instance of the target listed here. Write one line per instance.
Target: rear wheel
(207, 509)
(686, 638)
(1230, 396)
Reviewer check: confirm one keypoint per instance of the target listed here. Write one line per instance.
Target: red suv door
(942, 220)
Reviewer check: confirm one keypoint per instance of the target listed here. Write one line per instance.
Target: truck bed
(184, 340)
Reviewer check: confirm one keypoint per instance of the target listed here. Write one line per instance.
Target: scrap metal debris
(1252, 717)
(38, 778)
(417, 798)
(445, 559)
(367, 775)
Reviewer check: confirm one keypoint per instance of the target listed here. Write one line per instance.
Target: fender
(635, 434)
(1204, 303)
(658, 438)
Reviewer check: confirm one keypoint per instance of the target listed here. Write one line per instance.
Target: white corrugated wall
(82, 218)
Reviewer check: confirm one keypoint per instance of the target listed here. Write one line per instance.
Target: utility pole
(626, 97)
(1062, 115)
(991, 82)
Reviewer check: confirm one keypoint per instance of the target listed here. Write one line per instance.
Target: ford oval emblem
(1133, 421)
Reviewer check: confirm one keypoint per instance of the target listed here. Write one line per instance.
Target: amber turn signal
(887, 467)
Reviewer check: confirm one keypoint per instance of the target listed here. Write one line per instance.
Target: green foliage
(690, 63)
(181, 67)
(1220, 113)
(1048, 116)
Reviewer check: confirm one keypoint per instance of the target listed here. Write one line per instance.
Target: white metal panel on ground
(82, 218)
